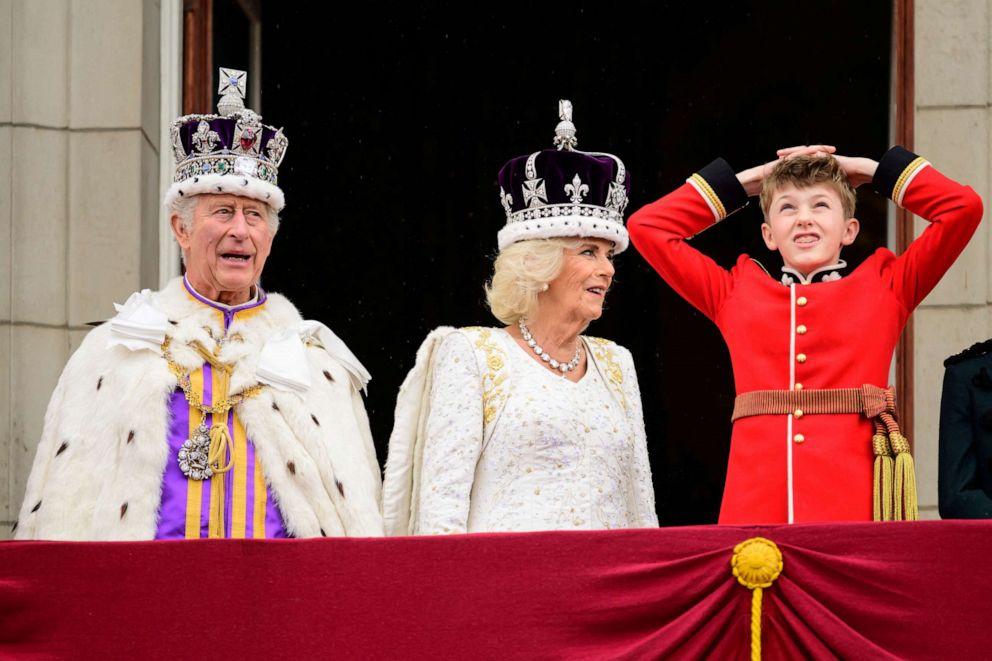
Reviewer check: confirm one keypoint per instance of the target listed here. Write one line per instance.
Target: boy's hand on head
(859, 170)
(752, 178)
(805, 150)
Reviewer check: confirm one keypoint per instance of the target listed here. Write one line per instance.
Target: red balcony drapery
(907, 590)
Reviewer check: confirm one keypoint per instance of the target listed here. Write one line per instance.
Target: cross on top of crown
(232, 81)
(232, 90)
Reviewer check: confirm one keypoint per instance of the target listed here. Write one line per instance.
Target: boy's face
(807, 225)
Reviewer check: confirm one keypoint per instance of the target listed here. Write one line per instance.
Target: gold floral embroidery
(603, 352)
(492, 381)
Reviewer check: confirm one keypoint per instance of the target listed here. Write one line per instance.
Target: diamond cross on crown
(231, 88)
(232, 81)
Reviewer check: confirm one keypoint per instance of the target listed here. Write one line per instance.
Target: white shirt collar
(791, 275)
(218, 304)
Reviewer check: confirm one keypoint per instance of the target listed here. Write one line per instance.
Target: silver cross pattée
(232, 81)
(535, 193)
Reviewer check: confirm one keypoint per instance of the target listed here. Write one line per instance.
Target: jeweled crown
(231, 152)
(563, 192)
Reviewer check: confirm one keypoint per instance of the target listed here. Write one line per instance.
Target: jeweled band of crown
(233, 152)
(563, 192)
(555, 210)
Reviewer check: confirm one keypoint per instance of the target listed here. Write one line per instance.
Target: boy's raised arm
(858, 170)
(660, 231)
(953, 211)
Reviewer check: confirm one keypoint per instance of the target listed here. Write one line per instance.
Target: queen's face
(580, 289)
(226, 247)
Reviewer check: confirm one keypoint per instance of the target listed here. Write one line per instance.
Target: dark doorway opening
(399, 118)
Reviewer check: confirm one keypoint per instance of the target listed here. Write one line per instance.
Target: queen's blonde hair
(521, 272)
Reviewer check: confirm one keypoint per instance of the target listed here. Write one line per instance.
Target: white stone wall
(79, 167)
(953, 121)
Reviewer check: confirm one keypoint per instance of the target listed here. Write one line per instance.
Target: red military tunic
(836, 334)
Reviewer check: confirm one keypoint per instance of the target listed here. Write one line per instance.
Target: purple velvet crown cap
(230, 153)
(564, 192)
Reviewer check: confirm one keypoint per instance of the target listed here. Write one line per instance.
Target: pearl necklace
(564, 368)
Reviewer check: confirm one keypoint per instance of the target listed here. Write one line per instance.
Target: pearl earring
(544, 287)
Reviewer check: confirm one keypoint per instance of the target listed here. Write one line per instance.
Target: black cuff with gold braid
(894, 171)
(718, 183)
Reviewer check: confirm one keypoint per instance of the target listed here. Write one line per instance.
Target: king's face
(226, 247)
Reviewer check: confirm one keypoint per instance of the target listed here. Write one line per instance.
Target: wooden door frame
(198, 49)
(904, 103)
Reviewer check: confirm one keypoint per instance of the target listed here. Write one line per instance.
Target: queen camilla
(530, 426)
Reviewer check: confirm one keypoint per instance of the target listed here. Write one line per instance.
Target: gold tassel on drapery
(756, 564)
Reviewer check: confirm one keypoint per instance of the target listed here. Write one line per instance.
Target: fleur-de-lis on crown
(506, 200)
(204, 139)
(576, 189)
(277, 147)
(177, 144)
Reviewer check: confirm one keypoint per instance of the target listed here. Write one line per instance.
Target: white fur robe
(103, 452)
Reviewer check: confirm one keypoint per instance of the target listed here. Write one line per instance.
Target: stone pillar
(953, 97)
(79, 194)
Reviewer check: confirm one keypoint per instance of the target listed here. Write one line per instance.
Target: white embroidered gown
(563, 455)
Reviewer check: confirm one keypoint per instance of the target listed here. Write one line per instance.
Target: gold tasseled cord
(221, 445)
(882, 482)
(904, 490)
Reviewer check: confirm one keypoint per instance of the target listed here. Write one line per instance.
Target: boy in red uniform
(814, 337)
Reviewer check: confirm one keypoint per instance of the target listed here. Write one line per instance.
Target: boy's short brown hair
(805, 171)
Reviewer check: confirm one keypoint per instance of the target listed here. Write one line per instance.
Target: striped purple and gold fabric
(236, 504)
